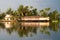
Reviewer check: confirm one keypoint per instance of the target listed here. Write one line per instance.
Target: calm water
(29, 31)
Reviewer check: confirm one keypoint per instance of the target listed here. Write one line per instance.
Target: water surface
(29, 31)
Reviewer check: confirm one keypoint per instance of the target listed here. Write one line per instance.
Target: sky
(39, 4)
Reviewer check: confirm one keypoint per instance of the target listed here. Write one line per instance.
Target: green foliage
(34, 12)
(23, 10)
(26, 11)
(54, 26)
(9, 11)
(54, 15)
(2, 15)
(44, 12)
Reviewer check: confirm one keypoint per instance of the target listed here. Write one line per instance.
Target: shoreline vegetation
(23, 28)
(30, 11)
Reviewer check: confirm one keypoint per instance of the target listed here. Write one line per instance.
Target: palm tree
(54, 15)
(2, 15)
(23, 11)
(44, 12)
(9, 11)
(34, 12)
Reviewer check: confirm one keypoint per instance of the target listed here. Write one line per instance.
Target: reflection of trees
(22, 30)
(29, 31)
(2, 25)
(54, 26)
(45, 30)
(10, 30)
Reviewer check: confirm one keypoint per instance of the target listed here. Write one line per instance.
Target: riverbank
(7, 20)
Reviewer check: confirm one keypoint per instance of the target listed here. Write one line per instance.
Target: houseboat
(9, 18)
(34, 18)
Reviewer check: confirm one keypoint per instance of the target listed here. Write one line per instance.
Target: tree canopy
(30, 11)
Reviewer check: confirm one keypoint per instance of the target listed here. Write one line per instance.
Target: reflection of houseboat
(34, 18)
(34, 24)
(8, 24)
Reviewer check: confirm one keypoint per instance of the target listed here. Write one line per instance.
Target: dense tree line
(30, 11)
